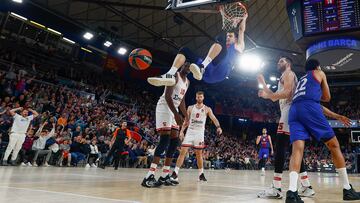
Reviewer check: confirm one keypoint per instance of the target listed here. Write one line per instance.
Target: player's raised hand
(344, 120)
(263, 94)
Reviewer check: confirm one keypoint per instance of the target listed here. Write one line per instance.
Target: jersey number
(301, 86)
(197, 115)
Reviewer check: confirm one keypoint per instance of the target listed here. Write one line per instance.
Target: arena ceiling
(145, 22)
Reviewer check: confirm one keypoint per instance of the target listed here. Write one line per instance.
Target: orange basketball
(140, 59)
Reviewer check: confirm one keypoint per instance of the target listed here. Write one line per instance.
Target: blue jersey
(264, 141)
(308, 89)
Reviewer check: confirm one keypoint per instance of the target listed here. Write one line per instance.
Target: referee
(18, 132)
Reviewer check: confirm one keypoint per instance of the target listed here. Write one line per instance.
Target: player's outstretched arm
(215, 121)
(343, 119)
(240, 45)
(285, 93)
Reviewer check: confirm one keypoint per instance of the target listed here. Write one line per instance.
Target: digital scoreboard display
(322, 16)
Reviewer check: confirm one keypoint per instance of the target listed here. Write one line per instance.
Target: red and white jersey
(284, 103)
(198, 118)
(179, 92)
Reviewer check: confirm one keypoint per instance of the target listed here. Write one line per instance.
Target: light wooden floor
(24, 184)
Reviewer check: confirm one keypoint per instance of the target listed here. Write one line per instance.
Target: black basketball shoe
(174, 179)
(165, 181)
(150, 182)
(293, 197)
(350, 194)
(202, 177)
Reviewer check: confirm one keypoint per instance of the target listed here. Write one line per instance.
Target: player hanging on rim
(286, 88)
(306, 118)
(168, 120)
(197, 115)
(265, 143)
(220, 59)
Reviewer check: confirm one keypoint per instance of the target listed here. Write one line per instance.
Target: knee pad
(163, 145)
(174, 143)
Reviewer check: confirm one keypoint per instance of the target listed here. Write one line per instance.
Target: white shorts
(165, 119)
(284, 121)
(194, 139)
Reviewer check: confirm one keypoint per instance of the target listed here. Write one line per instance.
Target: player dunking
(265, 143)
(218, 63)
(286, 88)
(194, 137)
(168, 120)
(306, 118)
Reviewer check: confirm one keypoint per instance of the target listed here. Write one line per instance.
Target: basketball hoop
(232, 14)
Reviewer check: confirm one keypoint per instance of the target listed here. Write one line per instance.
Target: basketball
(140, 59)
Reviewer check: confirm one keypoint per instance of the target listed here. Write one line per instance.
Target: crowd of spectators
(77, 120)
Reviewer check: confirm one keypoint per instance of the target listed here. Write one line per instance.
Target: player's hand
(263, 94)
(344, 120)
(179, 120)
(272, 153)
(261, 80)
(219, 131)
(181, 136)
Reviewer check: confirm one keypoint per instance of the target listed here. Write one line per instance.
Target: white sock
(151, 170)
(293, 181)
(177, 170)
(304, 179)
(201, 171)
(206, 61)
(262, 169)
(166, 171)
(277, 180)
(172, 70)
(344, 178)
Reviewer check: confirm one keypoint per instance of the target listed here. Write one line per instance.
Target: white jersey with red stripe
(165, 119)
(196, 130)
(285, 105)
(178, 93)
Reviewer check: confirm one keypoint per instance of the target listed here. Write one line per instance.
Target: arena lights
(17, 1)
(251, 63)
(87, 50)
(122, 51)
(18, 16)
(54, 31)
(37, 24)
(68, 40)
(107, 44)
(273, 78)
(261, 86)
(88, 35)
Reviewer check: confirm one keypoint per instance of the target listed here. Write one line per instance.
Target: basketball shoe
(271, 193)
(197, 71)
(165, 181)
(162, 80)
(306, 191)
(150, 182)
(202, 177)
(174, 179)
(293, 197)
(351, 194)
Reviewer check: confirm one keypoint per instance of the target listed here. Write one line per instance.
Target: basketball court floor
(24, 184)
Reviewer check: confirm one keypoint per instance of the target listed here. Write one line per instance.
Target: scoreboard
(321, 16)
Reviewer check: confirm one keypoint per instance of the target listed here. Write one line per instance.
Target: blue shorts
(306, 118)
(216, 72)
(264, 153)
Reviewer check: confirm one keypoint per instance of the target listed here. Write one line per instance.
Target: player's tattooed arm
(343, 119)
(285, 93)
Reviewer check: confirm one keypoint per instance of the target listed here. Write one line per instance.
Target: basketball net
(232, 14)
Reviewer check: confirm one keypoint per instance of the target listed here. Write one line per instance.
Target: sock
(304, 179)
(344, 178)
(206, 61)
(177, 170)
(201, 171)
(151, 170)
(172, 70)
(277, 180)
(293, 181)
(262, 169)
(166, 171)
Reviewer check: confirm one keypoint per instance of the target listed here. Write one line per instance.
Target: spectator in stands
(78, 150)
(65, 151)
(43, 135)
(94, 153)
(26, 152)
(17, 133)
